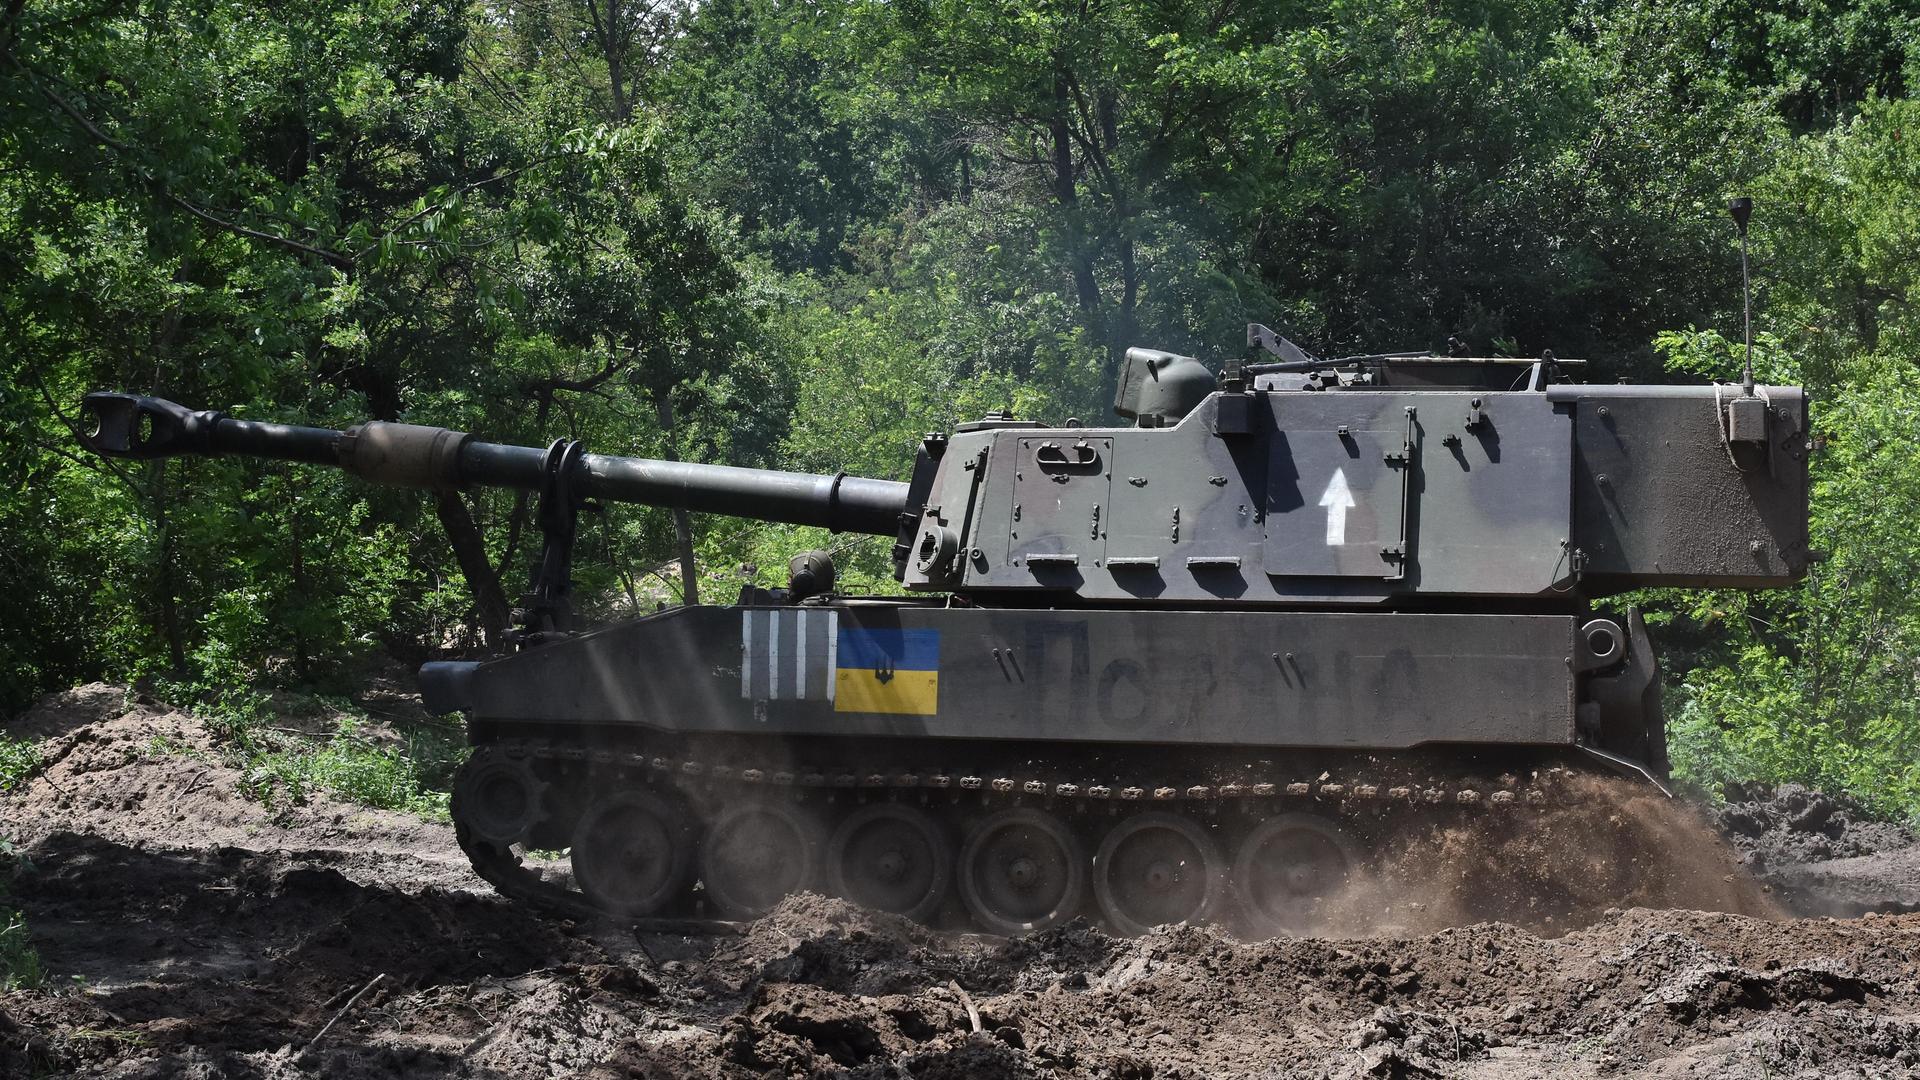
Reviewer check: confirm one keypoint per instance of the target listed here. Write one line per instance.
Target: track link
(566, 780)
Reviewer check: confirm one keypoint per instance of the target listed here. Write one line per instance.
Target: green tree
(323, 215)
(1818, 685)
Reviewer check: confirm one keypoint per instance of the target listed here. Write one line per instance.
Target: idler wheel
(498, 797)
(1157, 868)
(892, 857)
(632, 853)
(1022, 870)
(756, 853)
(1289, 872)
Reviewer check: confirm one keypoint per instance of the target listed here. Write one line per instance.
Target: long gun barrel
(411, 455)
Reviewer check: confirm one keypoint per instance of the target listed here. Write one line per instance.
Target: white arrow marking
(1338, 499)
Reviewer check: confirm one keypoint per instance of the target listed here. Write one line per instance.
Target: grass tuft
(19, 961)
(415, 778)
(19, 760)
(20, 967)
(282, 769)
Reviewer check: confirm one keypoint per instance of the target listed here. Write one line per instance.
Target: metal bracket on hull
(1630, 767)
(548, 606)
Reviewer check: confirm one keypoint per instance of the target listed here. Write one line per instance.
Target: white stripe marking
(833, 654)
(746, 655)
(800, 658)
(773, 655)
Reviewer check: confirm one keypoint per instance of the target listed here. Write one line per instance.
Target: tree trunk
(617, 76)
(613, 48)
(296, 543)
(169, 602)
(1866, 310)
(1061, 136)
(1123, 322)
(518, 519)
(1065, 192)
(489, 600)
(682, 521)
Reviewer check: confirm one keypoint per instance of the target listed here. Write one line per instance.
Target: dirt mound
(120, 765)
(1822, 854)
(221, 958)
(192, 932)
(230, 962)
(57, 714)
(1639, 989)
(1790, 824)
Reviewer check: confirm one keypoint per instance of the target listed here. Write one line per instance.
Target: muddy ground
(190, 933)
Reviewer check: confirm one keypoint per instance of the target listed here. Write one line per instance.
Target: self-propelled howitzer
(1212, 662)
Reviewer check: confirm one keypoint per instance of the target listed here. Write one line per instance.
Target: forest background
(801, 234)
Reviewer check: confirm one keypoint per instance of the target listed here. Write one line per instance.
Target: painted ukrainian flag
(887, 671)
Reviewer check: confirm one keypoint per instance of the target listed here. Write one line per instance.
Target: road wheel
(1022, 870)
(1157, 868)
(498, 797)
(756, 853)
(633, 854)
(892, 857)
(1289, 872)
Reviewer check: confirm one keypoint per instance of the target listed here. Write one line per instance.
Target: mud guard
(447, 686)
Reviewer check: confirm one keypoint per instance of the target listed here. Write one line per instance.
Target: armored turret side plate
(1661, 501)
(1355, 497)
(1061, 492)
(1336, 503)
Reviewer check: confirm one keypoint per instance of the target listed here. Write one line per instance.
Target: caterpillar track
(652, 836)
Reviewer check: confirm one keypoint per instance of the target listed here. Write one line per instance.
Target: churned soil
(1822, 854)
(190, 932)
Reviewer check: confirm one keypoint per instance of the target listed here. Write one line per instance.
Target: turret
(1396, 481)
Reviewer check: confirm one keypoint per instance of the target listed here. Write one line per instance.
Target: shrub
(19, 760)
(1821, 685)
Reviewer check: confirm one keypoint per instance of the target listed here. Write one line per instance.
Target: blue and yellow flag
(887, 671)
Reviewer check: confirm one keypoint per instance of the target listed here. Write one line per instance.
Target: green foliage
(20, 967)
(1819, 685)
(802, 235)
(19, 961)
(410, 769)
(1835, 258)
(415, 777)
(318, 215)
(1822, 686)
(19, 760)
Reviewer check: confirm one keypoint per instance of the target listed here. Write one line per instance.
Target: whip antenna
(1742, 209)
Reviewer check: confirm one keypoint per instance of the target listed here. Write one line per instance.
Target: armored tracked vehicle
(1208, 663)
